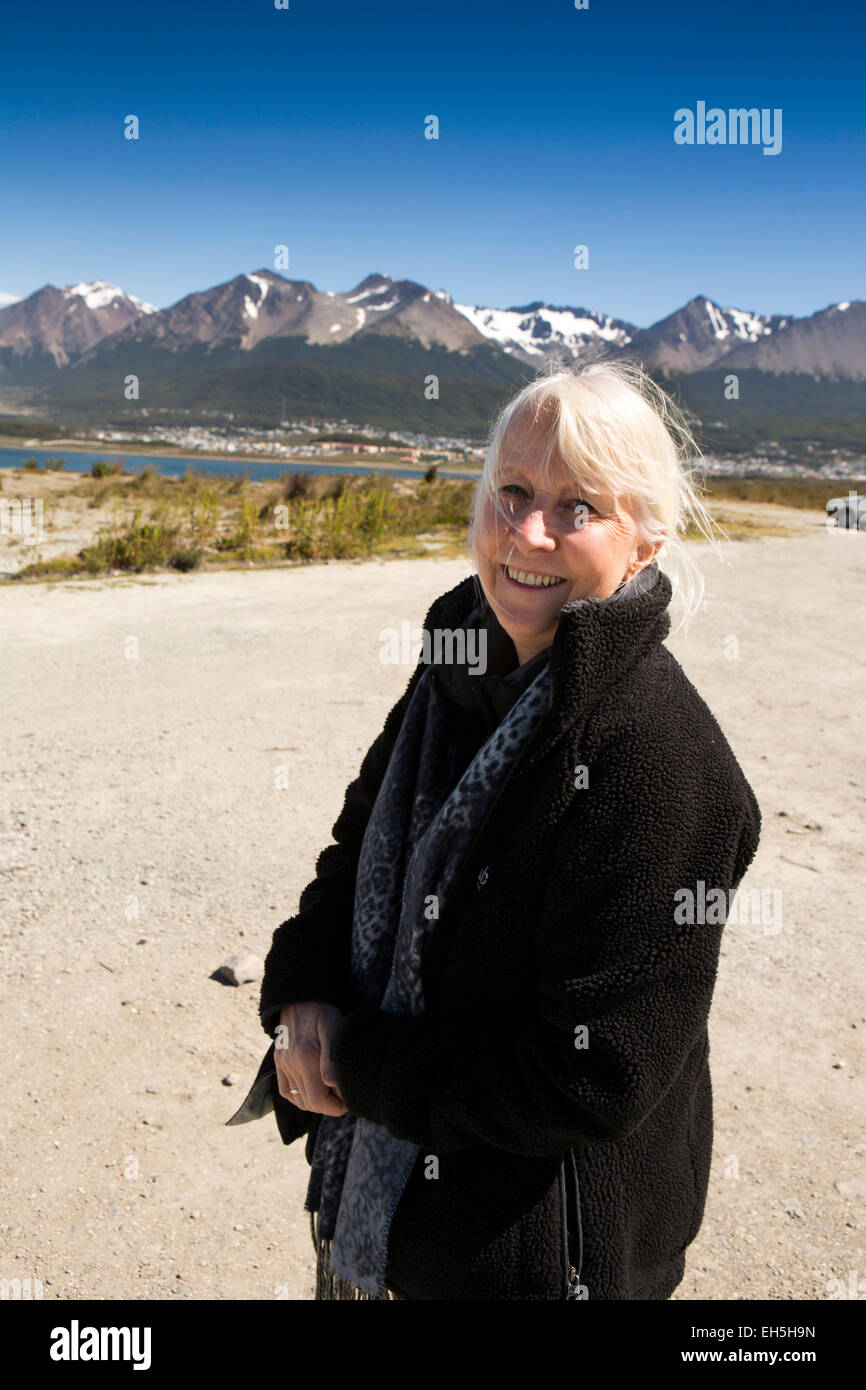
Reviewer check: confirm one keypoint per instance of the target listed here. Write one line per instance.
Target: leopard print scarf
(422, 824)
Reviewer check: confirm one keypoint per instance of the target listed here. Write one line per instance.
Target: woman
(493, 1028)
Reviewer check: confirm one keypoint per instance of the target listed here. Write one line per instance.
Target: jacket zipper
(433, 952)
(572, 1275)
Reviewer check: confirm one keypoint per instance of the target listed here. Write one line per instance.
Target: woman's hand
(303, 1058)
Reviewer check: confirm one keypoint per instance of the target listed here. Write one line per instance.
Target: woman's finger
(291, 1089)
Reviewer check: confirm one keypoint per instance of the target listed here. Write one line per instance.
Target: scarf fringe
(329, 1285)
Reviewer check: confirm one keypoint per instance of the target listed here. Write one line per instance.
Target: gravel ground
(146, 836)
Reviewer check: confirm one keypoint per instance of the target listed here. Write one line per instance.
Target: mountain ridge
(260, 348)
(74, 324)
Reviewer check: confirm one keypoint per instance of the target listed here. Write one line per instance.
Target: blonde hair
(618, 435)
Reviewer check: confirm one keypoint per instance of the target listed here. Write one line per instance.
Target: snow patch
(99, 294)
(749, 327)
(510, 329)
(142, 306)
(377, 289)
(262, 284)
(717, 320)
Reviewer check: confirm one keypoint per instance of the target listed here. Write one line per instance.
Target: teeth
(533, 581)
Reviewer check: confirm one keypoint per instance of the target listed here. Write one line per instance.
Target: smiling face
(557, 545)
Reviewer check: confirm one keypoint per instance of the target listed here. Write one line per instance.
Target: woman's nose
(532, 527)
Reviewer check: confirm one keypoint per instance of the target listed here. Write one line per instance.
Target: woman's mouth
(526, 579)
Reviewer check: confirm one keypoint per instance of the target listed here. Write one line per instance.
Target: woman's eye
(577, 505)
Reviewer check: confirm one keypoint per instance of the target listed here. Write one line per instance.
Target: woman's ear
(644, 553)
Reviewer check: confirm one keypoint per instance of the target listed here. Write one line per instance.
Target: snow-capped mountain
(700, 334)
(537, 331)
(99, 294)
(405, 309)
(243, 312)
(829, 343)
(64, 323)
(87, 323)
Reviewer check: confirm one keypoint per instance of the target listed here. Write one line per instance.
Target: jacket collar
(597, 641)
(487, 694)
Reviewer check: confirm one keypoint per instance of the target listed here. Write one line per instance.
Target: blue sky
(305, 127)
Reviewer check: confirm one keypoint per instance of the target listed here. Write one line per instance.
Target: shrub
(137, 548)
(329, 485)
(184, 560)
(60, 567)
(145, 475)
(296, 485)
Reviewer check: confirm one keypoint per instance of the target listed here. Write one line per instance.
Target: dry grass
(153, 522)
(146, 522)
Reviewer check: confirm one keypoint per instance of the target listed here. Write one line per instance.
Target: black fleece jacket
(565, 1006)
